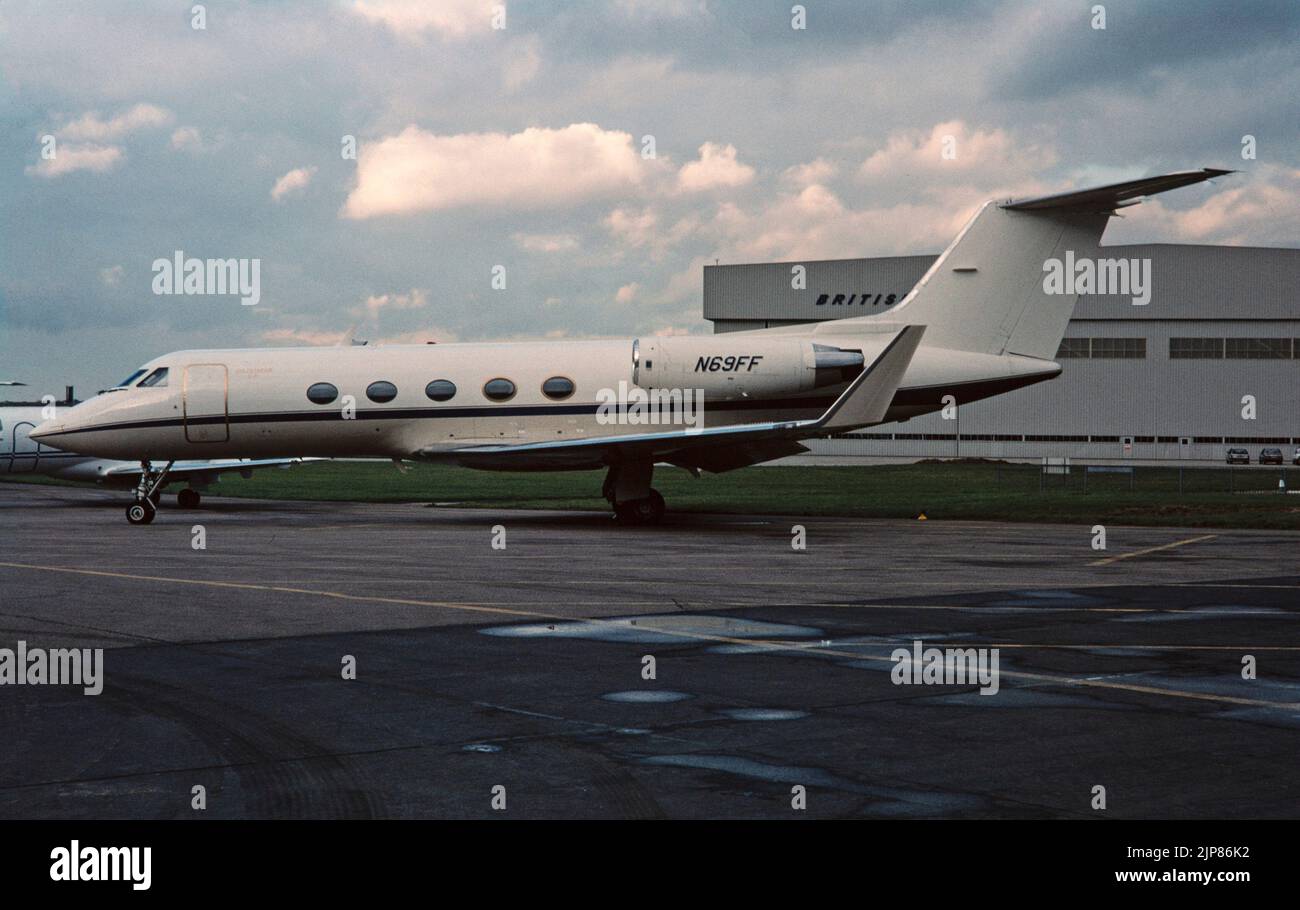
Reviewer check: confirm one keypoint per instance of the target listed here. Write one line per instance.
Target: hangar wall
(1160, 381)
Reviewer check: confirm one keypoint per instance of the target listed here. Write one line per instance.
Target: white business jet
(990, 323)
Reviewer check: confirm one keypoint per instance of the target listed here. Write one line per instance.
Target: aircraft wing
(183, 470)
(714, 449)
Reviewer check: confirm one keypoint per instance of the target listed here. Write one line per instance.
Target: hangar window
(1195, 348)
(1119, 348)
(499, 389)
(1257, 348)
(1103, 348)
(157, 378)
(557, 388)
(441, 390)
(1072, 347)
(381, 391)
(321, 393)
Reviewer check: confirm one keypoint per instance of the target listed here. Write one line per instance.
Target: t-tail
(987, 293)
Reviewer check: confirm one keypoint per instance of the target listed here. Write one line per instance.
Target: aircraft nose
(46, 429)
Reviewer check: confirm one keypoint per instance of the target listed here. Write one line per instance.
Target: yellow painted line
(1169, 546)
(809, 647)
(283, 589)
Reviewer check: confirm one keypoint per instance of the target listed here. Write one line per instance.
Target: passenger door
(204, 397)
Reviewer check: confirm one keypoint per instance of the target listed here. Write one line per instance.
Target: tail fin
(985, 293)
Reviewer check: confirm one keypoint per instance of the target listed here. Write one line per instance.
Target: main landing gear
(627, 488)
(147, 494)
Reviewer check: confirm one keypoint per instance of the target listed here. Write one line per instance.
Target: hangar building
(1165, 380)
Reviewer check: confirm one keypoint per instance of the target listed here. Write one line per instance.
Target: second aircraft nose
(46, 429)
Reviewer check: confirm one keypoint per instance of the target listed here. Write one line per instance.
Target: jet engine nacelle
(742, 366)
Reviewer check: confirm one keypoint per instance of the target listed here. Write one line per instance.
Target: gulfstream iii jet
(980, 322)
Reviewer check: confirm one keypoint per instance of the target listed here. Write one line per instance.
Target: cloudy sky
(599, 153)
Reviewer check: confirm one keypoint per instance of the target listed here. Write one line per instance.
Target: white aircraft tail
(986, 292)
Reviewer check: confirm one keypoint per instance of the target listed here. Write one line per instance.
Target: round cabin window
(499, 389)
(557, 388)
(381, 391)
(322, 393)
(441, 390)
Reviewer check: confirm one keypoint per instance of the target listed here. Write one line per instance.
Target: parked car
(1270, 456)
(1238, 456)
(1296, 459)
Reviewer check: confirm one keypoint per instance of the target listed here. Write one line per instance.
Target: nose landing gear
(147, 494)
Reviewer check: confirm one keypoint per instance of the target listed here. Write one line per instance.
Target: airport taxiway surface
(522, 667)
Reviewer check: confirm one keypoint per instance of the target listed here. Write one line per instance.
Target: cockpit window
(157, 378)
(130, 379)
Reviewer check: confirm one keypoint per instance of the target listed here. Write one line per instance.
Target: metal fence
(1083, 478)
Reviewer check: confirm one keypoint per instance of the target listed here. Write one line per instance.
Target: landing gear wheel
(139, 514)
(657, 507)
(648, 511)
(188, 499)
(148, 493)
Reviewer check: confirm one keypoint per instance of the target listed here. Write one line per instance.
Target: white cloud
(418, 171)
(818, 170)
(546, 243)
(523, 63)
(627, 293)
(633, 228)
(81, 144)
(295, 180)
(90, 126)
(641, 230)
(302, 337)
(1260, 207)
(716, 167)
(979, 152)
(412, 301)
(186, 137)
(815, 224)
(69, 158)
(413, 19)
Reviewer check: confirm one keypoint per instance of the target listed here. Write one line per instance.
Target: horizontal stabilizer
(1116, 195)
(866, 400)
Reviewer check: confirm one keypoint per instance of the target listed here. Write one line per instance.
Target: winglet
(868, 397)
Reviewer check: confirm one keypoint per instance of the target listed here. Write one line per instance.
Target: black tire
(188, 499)
(648, 511)
(657, 507)
(138, 513)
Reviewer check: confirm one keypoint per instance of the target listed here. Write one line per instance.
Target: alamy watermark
(24, 666)
(639, 407)
(200, 277)
(75, 863)
(923, 666)
(1128, 277)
